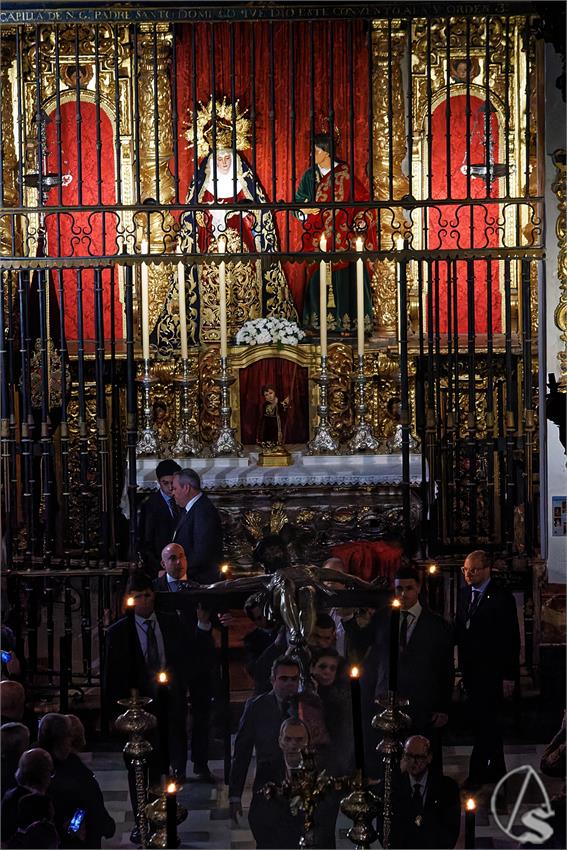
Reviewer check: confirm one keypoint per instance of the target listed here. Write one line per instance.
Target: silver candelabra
(226, 442)
(363, 439)
(147, 441)
(188, 441)
(323, 443)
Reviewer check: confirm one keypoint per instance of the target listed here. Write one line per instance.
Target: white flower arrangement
(265, 331)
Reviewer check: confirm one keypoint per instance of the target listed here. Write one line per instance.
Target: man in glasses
(426, 804)
(488, 639)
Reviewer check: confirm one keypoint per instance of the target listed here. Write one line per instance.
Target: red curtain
(369, 559)
(290, 381)
(449, 225)
(292, 90)
(84, 233)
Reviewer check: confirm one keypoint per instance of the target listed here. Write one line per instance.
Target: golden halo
(233, 129)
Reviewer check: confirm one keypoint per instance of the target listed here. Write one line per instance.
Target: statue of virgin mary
(220, 203)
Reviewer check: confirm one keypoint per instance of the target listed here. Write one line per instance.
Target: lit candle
(145, 306)
(470, 816)
(357, 718)
(171, 814)
(222, 297)
(225, 570)
(182, 312)
(323, 297)
(434, 588)
(162, 707)
(360, 298)
(394, 645)
(132, 640)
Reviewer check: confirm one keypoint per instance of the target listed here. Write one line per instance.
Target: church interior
(283, 372)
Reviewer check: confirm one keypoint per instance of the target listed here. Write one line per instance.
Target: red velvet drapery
(291, 46)
(290, 381)
(449, 225)
(84, 233)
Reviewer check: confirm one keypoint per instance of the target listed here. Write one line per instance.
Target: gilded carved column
(9, 159)
(154, 104)
(559, 186)
(386, 68)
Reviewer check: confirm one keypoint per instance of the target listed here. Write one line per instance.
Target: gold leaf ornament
(222, 122)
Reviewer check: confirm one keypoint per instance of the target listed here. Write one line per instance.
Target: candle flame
(221, 244)
(130, 602)
(354, 672)
(432, 569)
(396, 603)
(162, 677)
(323, 242)
(471, 805)
(225, 568)
(171, 788)
(359, 243)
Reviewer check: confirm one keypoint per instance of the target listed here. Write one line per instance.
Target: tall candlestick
(163, 721)
(182, 311)
(360, 298)
(399, 242)
(394, 645)
(145, 306)
(470, 817)
(171, 815)
(132, 640)
(357, 718)
(222, 298)
(323, 297)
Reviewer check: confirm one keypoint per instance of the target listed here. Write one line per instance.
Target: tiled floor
(208, 824)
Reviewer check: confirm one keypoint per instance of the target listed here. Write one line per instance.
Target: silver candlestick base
(363, 440)
(187, 443)
(147, 441)
(226, 443)
(323, 443)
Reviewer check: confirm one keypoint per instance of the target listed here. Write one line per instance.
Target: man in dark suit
(425, 666)
(426, 805)
(259, 731)
(488, 639)
(159, 516)
(199, 530)
(262, 636)
(200, 673)
(161, 643)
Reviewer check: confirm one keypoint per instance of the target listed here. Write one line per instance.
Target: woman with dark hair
(328, 672)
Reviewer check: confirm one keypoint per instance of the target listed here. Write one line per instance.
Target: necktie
(152, 651)
(286, 705)
(404, 630)
(181, 585)
(172, 507)
(417, 799)
(473, 604)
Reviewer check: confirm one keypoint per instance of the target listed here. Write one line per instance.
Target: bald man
(426, 804)
(488, 639)
(196, 624)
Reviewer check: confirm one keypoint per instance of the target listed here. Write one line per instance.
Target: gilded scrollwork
(559, 187)
(209, 416)
(9, 159)
(340, 366)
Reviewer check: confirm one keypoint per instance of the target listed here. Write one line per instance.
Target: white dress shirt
(141, 629)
